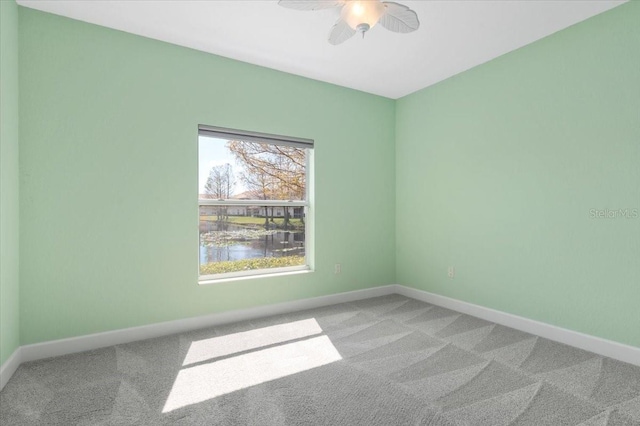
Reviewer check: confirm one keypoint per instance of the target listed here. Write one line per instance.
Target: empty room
(320, 212)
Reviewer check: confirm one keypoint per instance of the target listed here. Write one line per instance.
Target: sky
(213, 152)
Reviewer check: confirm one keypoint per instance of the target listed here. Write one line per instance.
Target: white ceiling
(454, 35)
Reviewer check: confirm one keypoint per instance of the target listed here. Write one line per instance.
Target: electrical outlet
(337, 269)
(451, 272)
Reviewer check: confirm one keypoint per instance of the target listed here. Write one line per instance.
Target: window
(253, 203)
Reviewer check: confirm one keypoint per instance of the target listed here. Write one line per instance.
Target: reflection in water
(227, 242)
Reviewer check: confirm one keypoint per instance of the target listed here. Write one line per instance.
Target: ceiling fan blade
(310, 4)
(399, 18)
(340, 32)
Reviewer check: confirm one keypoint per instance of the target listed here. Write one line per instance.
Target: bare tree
(280, 170)
(219, 185)
(276, 172)
(259, 187)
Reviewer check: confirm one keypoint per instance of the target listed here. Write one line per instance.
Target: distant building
(253, 211)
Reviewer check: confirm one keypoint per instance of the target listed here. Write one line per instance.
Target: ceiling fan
(360, 16)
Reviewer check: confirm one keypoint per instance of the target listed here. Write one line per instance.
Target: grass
(258, 221)
(250, 264)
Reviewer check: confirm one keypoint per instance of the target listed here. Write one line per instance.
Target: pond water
(230, 242)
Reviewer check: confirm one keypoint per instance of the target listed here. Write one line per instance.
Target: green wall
(9, 221)
(108, 157)
(498, 169)
(494, 171)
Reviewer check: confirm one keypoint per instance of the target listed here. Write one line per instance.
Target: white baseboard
(10, 366)
(117, 337)
(608, 348)
(71, 345)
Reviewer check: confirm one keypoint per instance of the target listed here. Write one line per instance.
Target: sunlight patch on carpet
(207, 381)
(215, 347)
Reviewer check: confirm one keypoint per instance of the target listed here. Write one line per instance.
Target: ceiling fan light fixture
(362, 15)
(359, 16)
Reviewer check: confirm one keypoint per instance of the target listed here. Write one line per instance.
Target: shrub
(250, 264)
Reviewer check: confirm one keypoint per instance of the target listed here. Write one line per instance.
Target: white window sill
(209, 281)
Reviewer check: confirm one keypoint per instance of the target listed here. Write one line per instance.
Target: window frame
(249, 136)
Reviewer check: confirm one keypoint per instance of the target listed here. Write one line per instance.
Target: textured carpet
(383, 361)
